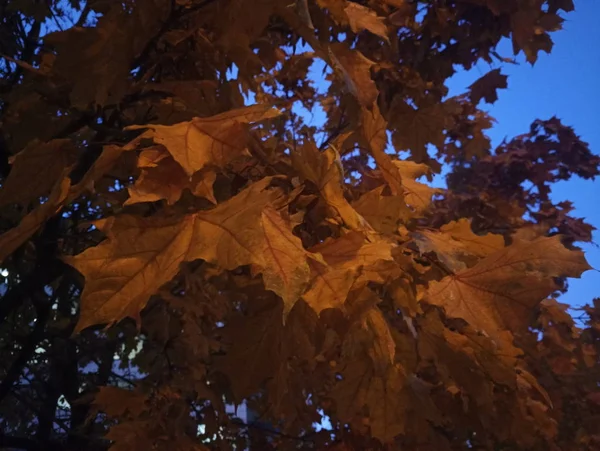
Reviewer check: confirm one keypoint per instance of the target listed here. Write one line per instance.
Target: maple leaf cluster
(179, 237)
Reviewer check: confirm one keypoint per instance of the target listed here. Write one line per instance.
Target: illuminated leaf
(350, 260)
(502, 290)
(363, 18)
(457, 246)
(163, 178)
(215, 140)
(416, 194)
(355, 70)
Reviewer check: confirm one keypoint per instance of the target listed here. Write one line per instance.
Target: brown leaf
(202, 183)
(362, 18)
(122, 272)
(15, 237)
(501, 291)
(231, 234)
(486, 87)
(97, 60)
(374, 129)
(215, 140)
(104, 163)
(255, 349)
(383, 213)
(469, 360)
(286, 270)
(141, 254)
(329, 287)
(163, 178)
(418, 127)
(36, 169)
(393, 399)
(457, 246)
(416, 194)
(349, 262)
(355, 69)
(325, 170)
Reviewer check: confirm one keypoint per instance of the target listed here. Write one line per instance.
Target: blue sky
(562, 84)
(565, 84)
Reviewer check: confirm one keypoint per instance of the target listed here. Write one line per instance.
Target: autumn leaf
(286, 270)
(394, 399)
(355, 69)
(40, 164)
(142, 254)
(416, 194)
(350, 260)
(457, 246)
(231, 234)
(374, 128)
(383, 213)
(486, 87)
(11, 240)
(122, 272)
(470, 360)
(501, 291)
(215, 140)
(418, 127)
(163, 178)
(325, 170)
(362, 18)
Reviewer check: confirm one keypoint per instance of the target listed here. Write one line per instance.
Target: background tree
(177, 237)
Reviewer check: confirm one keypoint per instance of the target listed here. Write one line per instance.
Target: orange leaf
(501, 291)
(363, 18)
(374, 129)
(163, 178)
(350, 260)
(355, 69)
(122, 272)
(215, 140)
(457, 246)
(416, 194)
(142, 254)
(325, 170)
(286, 270)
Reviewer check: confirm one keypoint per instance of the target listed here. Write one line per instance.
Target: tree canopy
(179, 234)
